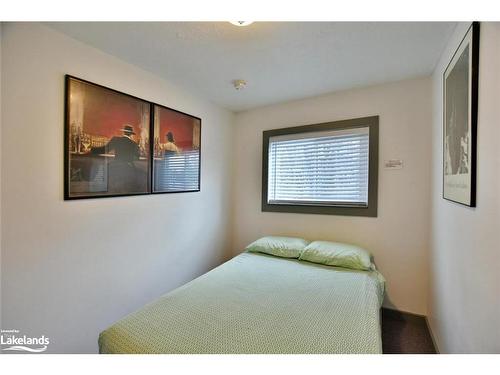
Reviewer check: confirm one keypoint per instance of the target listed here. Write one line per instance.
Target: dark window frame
(372, 123)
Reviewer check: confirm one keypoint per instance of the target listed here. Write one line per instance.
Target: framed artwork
(176, 151)
(107, 151)
(460, 121)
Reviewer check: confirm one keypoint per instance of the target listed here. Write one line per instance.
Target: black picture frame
(148, 177)
(460, 111)
(372, 122)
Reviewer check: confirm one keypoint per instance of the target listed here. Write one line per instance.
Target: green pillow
(286, 247)
(337, 254)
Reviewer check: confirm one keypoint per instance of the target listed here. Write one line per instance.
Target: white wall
(1, 26)
(464, 296)
(399, 236)
(70, 269)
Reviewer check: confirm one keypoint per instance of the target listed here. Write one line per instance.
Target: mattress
(258, 303)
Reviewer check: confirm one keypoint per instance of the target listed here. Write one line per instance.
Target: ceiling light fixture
(241, 23)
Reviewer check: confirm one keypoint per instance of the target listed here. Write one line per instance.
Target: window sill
(368, 211)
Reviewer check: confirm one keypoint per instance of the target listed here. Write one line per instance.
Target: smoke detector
(239, 84)
(241, 23)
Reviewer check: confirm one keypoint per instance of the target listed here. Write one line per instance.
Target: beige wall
(464, 288)
(399, 236)
(70, 269)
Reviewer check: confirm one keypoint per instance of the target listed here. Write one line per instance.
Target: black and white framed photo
(460, 121)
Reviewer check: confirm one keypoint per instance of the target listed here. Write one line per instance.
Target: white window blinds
(319, 168)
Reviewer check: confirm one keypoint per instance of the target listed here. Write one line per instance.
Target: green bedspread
(258, 303)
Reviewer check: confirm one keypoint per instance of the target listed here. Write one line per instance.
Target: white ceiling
(280, 60)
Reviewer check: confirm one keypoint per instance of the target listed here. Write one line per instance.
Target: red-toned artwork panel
(180, 125)
(108, 142)
(176, 164)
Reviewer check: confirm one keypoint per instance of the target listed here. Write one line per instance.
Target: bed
(257, 303)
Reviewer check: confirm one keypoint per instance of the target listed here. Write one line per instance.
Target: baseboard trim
(436, 347)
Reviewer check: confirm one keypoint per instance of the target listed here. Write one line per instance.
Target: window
(326, 168)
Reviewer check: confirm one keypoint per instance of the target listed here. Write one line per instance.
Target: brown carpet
(404, 333)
